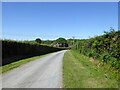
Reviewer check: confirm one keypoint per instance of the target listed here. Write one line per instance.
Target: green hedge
(105, 48)
(13, 51)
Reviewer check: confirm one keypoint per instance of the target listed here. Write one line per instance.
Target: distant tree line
(62, 41)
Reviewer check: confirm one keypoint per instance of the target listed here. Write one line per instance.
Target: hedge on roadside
(13, 51)
(105, 48)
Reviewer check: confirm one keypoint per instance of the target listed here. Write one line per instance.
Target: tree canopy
(62, 41)
(38, 40)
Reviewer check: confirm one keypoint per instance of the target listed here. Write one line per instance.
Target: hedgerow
(13, 50)
(105, 48)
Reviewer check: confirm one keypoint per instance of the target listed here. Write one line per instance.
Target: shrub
(90, 54)
(105, 48)
(13, 51)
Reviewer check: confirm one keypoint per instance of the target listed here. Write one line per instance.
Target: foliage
(62, 41)
(68, 43)
(105, 48)
(13, 50)
(38, 40)
(51, 42)
(48, 42)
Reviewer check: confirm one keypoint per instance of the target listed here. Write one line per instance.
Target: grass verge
(78, 72)
(16, 64)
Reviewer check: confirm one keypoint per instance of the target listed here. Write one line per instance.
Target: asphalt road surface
(45, 72)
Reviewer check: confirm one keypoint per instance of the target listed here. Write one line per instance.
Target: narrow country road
(45, 72)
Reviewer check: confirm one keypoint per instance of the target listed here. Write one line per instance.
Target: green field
(80, 71)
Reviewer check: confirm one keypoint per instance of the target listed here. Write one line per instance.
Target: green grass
(16, 64)
(78, 72)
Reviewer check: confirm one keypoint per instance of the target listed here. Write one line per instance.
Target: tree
(70, 42)
(62, 41)
(38, 40)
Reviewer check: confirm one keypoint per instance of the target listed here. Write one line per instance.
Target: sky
(51, 20)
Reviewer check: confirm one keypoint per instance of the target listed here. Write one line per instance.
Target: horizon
(51, 20)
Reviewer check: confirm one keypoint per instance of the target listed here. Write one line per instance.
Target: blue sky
(50, 20)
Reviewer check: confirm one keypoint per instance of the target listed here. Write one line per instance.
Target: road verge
(78, 72)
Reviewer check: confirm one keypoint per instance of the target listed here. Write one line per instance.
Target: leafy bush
(90, 54)
(105, 57)
(105, 47)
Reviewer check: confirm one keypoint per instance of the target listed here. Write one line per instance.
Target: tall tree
(62, 41)
(38, 40)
